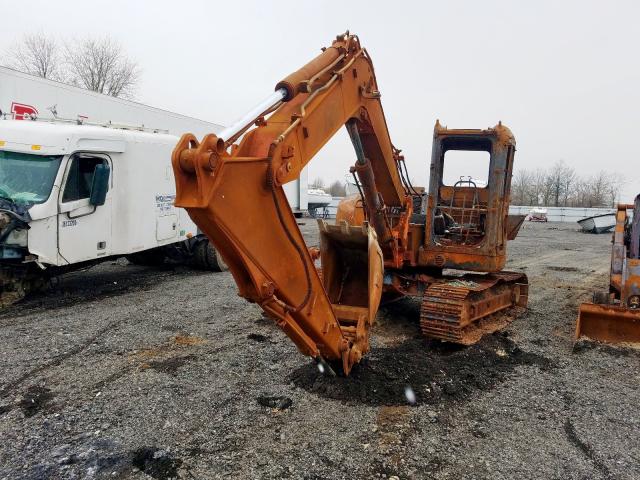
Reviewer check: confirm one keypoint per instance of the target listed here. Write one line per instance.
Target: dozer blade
(608, 323)
(463, 309)
(352, 273)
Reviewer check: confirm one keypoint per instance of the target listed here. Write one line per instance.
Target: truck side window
(80, 177)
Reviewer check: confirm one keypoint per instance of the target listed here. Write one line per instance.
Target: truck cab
(72, 194)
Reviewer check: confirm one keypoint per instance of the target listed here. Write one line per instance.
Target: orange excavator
(390, 239)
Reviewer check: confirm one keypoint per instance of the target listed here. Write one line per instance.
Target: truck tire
(148, 258)
(207, 258)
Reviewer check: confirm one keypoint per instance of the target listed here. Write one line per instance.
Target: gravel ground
(131, 372)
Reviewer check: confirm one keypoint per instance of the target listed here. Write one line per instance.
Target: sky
(563, 75)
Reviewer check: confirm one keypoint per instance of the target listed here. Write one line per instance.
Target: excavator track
(463, 309)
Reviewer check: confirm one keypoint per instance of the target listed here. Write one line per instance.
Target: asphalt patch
(35, 399)
(281, 403)
(156, 463)
(171, 365)
(437, 372)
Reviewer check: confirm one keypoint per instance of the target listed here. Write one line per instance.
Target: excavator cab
(467, 225)
(466, 222)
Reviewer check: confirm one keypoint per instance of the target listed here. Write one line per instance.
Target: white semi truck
(72, 195)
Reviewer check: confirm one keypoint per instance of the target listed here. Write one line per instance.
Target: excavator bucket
(514, 222)
(352, 274)
(608, 323)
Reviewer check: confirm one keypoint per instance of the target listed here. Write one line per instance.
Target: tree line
(562, 186)
(99, 64)
(557, 186)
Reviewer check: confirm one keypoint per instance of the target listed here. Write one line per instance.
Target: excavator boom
(234, 193)
(232, 186)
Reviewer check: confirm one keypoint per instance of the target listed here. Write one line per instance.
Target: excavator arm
(233, 192)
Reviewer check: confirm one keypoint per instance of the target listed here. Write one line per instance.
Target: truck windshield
(26, 178)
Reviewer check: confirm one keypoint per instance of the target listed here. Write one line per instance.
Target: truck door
(84, 230)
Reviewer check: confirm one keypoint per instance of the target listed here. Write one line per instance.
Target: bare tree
(561, 186)
(600, 188)
(102, 66)
(559, 181)
(317, 183)
(570, 179)
(337, 189)
(616, 182)
(521, 186)
(97, 64)
(37, 54)
(538, 192)
(554, 182)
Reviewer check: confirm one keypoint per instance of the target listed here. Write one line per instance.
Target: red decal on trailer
(19, 110)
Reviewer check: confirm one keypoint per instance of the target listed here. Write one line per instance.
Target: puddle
(436, 372)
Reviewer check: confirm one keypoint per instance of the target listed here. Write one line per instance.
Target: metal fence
(554, 214)
(562, 214)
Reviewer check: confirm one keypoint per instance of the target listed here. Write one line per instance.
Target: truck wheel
(148, 258)
(207, 258)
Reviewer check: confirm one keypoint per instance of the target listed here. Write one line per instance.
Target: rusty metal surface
(352, 270)
(514, 222)
(350, 210)
(451, 308)
(634, 243)
(608, 323)
(481, 245)
(465, 228)
(618, 319)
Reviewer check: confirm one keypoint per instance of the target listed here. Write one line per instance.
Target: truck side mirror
(99, 185)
